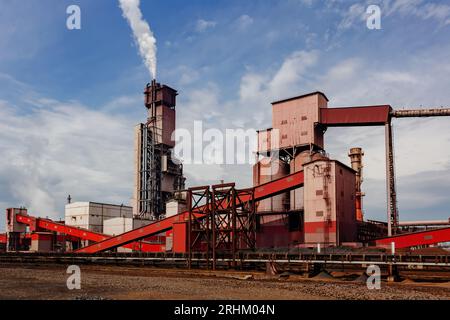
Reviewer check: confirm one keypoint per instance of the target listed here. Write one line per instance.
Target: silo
(296, 164)
(265, 171)
(280, 203)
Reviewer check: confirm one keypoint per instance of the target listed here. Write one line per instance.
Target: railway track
(414, 266)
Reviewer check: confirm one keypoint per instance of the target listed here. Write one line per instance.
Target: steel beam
(392, 212)
(261, 192)
(416, 239)
(413, 113)
(47, 224)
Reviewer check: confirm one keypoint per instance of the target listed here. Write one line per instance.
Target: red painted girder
(263, 191)
(36, 223)
(3, 238)
(416, 238)
(355, 116)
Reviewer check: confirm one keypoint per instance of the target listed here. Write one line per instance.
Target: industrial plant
(304, 207)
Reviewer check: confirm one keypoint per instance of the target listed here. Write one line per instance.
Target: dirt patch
(110, 282)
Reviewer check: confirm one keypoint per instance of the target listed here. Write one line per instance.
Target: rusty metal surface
(410, 113)
(355, 116)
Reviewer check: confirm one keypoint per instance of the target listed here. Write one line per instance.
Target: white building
(91, 215)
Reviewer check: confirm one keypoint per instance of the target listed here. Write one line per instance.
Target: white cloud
(58, 148)
(203, 25)
(70, 148)
(244, 21)
(355, 15)
(421, 81)
(260, 88)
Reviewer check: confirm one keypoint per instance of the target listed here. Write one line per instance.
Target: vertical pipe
(213, 225)
(208, 216)
(189, 231)
(234, 227)
(390, 181)
(387, 133)
(356, 155)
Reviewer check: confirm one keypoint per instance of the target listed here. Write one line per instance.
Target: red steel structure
(79, 233)
(416, 239)
(380, 115)
(261, 192)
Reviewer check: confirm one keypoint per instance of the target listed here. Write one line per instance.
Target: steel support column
(199, 222)
(392, 211)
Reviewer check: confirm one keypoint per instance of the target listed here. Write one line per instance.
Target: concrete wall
(329, 203)
(264, 172)
(42, 242)
(166, 123)
(274, 232)
(91, 215)
(137, 167)
(11, 224)
(119, 225)
(264, 140)
(345, 206)
(295, 119)
(174, 207)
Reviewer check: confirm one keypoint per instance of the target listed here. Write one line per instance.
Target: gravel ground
(108, 282)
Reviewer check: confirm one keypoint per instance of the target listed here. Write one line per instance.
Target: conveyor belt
(414, 239)
(47, 224)
(261, 192)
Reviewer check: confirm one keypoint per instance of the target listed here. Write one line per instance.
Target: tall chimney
(356, 155)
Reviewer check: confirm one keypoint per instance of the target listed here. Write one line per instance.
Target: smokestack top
(157, 94)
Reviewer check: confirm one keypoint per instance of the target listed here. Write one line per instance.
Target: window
(284, 136)
(319, 213)
(304, 118)
(294, 221)
(258, 223)
(283, 121)
(319, 192)
(304, 133)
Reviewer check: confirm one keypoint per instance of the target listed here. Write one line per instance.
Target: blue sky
(69, 98)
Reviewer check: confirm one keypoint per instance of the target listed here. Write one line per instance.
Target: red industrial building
(299, 198)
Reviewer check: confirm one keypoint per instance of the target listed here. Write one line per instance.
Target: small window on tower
(284, 136)
(294, 221)
(283, 121)
(258, 223)
(304, 133)
(319, 192)
(304, 118)
(319, 213)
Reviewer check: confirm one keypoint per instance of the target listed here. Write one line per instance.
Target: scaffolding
(222, 220)
(154, 156)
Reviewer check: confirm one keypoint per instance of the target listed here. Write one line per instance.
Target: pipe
(392, 214)
(425, 223)
(411, 113)
(356, 155)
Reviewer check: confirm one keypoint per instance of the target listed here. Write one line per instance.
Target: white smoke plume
(141, 32)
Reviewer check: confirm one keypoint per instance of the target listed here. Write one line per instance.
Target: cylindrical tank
(296, 196)
(265, 171)
(356, 155)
